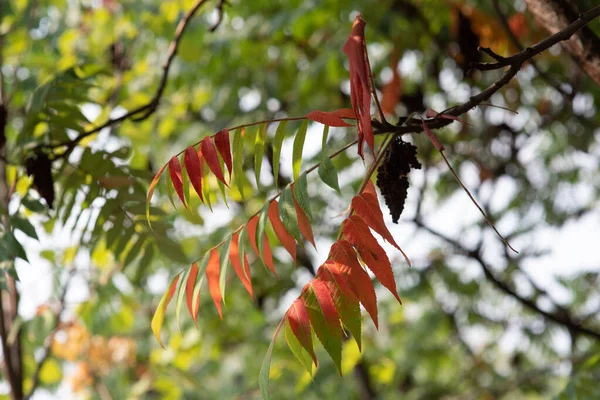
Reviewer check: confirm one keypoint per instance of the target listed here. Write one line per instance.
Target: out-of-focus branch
(35, 379)
(514, 63)
(142, 112)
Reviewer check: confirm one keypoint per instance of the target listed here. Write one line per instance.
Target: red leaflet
(283, 235)
(366, 206)
(347, 113)
(327, 305)
(359, 235)
(370, 188)
(326, 118)
(193, 166)
(154, 182)
(175, 172)
(234, 257)
(212, 159)
(344, 255)
(189, 293)
(434, 140)
(304, 224)
(222, 143)
(360, 92)
(298, 319)
(212, 277)
(268, 257)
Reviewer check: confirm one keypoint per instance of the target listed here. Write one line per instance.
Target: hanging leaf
(325, 320)
(282, 234)
(298, 148)
(212, 277)
(186, 186)
(180, 295)
(302, 355)
(300, 191)
(222, 186)
(224, 248)
(189, 290)
(345, 256)
(237, 259)
(159, 314)
(324, 141)
(359, 235)
(222, 143)
(209, 152)
(260, 231)
(360, 88)
(170, 191)
(328, 174)
(345, 300)
(326, 118)
(297, 316)
(238, 161)
(277, 144)
(254, 235)
(151, 192)
(432, 137)
(287, 211)
(193, 166)
(242, 247)
(175, 172)
(259, 150)
(263, 375)
(206, 185)
(304, 224)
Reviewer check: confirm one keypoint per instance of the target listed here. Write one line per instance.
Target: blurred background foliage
(477, 320)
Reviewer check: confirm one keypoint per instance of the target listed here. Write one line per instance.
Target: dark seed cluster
(392, 174)
(41, 168)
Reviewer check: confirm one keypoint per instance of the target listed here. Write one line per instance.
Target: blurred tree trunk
(584, 46)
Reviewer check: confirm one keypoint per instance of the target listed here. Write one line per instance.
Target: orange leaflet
(193, 166)
(360, 93)
(175, 172)
(222, 143)
(151, 191)
(358, 234)
(189, 292)
(298, 319)
(234, 258)
(345, 256)
(370, 188)
(347, 113)
(213, 270)
(366, 206)
(268, 257)
(326, 118)
(304, 223)
(283, 235)
(209, 152)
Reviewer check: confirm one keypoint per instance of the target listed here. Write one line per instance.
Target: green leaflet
(206, 188)
(259, 151)
(170, 191)
(301, 354)
(24, 226)
(224, 266)
(324, 140)
(238, 161)
(287, 212)
(242, 249)
(263, 375)
(135, 250)
(277, 144)
(159, 314)
(330, 339)
(328, 174)
(298, 147)
(181, 295)
(263, 217)
(221, 184)
(301, 195)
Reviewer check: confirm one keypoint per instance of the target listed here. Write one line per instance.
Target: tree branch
(143, 112)
(514, 63)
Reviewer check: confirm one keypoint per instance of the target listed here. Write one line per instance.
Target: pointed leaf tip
(224, 147)
(326, 118)
(209, 152)
(176, 178)
(159, 314)
(212, 277)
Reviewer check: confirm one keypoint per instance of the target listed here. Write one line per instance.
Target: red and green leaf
(358, 234)
(176, 179)
(346, 258)
(304, 224)
(235, 258)
(299, 352)
(159, 314)
(253, 235)
(151, 191)
(189, 292)
(297, 316)
(207, 148)
(326, 118)
(286, 239)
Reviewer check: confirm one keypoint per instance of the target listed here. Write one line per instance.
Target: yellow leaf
(159, 314)
(51, 372)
